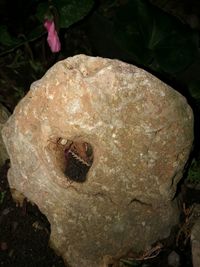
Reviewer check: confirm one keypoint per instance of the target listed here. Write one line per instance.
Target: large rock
(99, 146)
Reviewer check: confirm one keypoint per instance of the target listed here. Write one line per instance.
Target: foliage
(155, 39)
(194, 89)
(193, 176)
(69, 11)
(2, 196)
(64, 12)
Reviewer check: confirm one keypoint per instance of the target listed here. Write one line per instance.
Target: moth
(78, 160)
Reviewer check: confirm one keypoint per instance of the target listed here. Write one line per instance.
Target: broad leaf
(153, 38)
(69, 11)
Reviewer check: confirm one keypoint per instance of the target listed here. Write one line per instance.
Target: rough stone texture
(4, 115)
(141, 132)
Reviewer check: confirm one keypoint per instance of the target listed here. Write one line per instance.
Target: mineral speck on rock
(100, 145)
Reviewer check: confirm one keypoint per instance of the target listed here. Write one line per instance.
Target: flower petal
(52, 38)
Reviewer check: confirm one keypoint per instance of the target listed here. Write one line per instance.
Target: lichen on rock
(100, 145)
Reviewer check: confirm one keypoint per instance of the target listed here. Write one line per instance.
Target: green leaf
(153, 38)
(2, 196)
(194, 89)
(69, 11)
(131, 30)
(72, 11)
(5, 38)
(194, 172)
(177, 51)
(42, 10)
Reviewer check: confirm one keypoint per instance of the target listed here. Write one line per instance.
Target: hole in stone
(73, 157)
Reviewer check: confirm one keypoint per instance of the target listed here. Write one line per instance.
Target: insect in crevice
(73, 157)
(79, 158)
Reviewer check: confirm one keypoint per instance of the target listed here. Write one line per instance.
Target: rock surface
(4, 115)
(99, 146)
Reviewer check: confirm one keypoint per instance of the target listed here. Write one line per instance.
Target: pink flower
(52, 38)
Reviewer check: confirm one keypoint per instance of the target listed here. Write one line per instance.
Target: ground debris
(24, 232)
